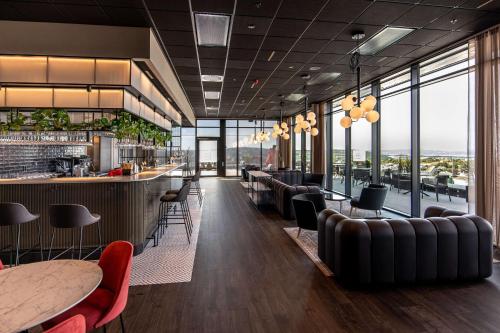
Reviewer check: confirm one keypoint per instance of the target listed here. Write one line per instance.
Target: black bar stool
(167, 210)
(72, 216)
(196, 190)
(12, 215)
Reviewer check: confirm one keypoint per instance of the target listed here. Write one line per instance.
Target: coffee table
(332, 196)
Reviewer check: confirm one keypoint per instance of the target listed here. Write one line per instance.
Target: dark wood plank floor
(249, 276)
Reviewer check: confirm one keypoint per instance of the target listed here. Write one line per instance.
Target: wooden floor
(249, 276)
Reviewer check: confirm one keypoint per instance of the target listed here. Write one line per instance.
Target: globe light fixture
(352, 105)
(306, 124)
(281, 130)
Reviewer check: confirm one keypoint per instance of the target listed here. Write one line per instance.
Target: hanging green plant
(17, 120)
(101, 124)
(51, 120)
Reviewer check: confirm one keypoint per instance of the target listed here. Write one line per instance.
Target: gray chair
(313, 179)
(13, 215)
(371, 198)
(73, 216)
(307, 206)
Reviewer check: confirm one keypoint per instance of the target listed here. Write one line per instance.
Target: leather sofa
(445, 245)
(286, 184)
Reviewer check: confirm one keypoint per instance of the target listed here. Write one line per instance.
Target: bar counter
(128, 205)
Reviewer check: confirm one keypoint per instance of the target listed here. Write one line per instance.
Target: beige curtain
(487, 91)
(318, 162)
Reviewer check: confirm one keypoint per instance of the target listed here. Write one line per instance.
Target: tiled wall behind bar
(16, 160)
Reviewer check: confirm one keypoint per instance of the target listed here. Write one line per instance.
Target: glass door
(208, 153)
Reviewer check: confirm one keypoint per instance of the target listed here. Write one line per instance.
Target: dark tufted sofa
(286, 184)
(445, 245)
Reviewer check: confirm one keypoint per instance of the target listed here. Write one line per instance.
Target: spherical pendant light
(286, 136)
(346, 122)
(347, 103)
(372, 116)
(356, 113)
(314, 131)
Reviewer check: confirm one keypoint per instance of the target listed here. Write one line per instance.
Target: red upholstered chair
(75, 324)
(109, 299)
(1, 265)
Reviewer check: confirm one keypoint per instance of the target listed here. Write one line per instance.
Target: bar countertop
(142, 176)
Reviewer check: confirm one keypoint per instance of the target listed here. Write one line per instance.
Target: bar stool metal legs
(168, 211)
(73, 217)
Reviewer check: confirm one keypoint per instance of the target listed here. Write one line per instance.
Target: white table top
(34, 293)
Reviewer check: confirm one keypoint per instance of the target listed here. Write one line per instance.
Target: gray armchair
(371, 198)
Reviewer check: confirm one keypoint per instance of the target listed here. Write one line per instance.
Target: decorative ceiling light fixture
(258, 138)
(281, 129)
(352, 104)
(212, 78)
(306, 124)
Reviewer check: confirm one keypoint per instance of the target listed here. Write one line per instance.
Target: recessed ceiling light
(381, 59)
(328, 88)
(454, 20)
(295, 97)
(212, 94)
(212, 78)
(212, 108)
(314, 68)
(291, 67)
(383, 39)
(212, 29)
(251, 26)
(261, 98)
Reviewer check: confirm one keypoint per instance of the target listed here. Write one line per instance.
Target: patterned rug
(172, 261)
(308, 242)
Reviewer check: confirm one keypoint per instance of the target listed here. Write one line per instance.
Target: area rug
(308, 242)
(172, 261)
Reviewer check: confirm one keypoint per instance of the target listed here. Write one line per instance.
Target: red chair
(75, 324)
(109, 299)
(1, 265)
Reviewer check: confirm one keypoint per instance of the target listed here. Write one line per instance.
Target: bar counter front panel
(128, 206)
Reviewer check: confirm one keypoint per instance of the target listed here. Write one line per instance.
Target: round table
(34, 293)
(331, 196)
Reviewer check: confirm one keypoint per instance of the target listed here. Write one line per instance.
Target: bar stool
(195, 180)
(167, 210)
(12, 215)
(72, 216)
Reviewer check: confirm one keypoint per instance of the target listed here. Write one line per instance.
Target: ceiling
(302, 34)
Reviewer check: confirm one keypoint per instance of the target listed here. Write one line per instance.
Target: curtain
(487, 129)
(318, 142)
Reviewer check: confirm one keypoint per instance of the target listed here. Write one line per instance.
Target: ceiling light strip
(197, 54)
(288, 52)
(230, 33)
(256, 55)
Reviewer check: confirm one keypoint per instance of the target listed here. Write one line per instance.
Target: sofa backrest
(289, 177)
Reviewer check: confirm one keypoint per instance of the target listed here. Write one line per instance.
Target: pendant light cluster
(307, 124)
(260, 137)
(365, 109)
(282, 129)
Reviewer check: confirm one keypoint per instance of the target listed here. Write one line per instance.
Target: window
(395, 141)
(188, 146)
(444, 165)
(231, 151)
(361, 147)
(338, 148)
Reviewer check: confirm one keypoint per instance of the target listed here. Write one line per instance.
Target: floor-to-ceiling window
(444, 130)
(361, 144)
(269, 147)
(395, 140)
(297, 151)
(441, 98)
(338, 148)
(231, 148)
(188, 146)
